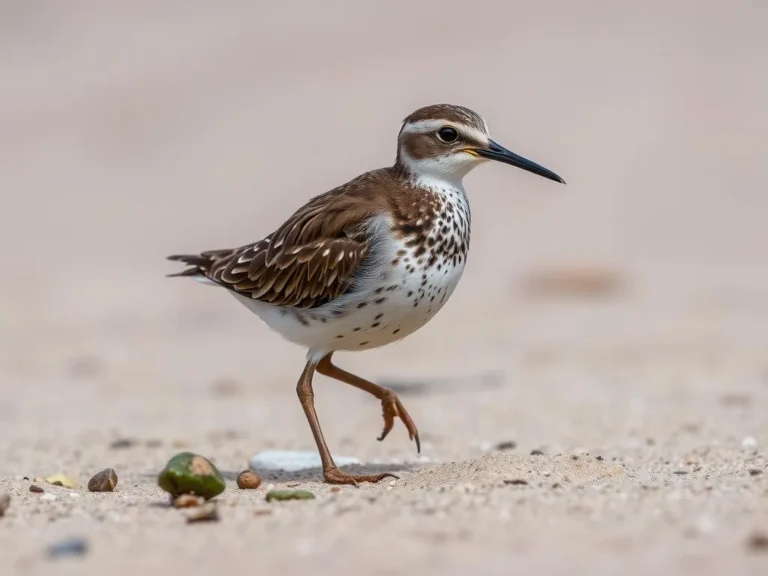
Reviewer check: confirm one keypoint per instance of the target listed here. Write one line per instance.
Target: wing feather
(309, 260)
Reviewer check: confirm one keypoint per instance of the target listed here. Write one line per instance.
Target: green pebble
(289, 495)
(188, 473)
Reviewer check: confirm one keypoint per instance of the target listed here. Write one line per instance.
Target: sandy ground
(131, 131)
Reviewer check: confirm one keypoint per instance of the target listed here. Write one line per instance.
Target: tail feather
(199, 264)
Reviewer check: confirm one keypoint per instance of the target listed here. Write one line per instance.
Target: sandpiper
(367, 263)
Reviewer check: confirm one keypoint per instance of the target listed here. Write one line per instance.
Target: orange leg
(331, 473)
(390, 403)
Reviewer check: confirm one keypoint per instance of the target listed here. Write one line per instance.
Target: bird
(367, 263)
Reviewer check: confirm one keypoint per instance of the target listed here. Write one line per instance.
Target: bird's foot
(392, 408)
(336, 476)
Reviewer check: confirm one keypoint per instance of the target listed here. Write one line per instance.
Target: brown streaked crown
(449, 112)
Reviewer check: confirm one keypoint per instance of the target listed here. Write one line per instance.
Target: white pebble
(293, 460)
(749, 442)
(48, 496)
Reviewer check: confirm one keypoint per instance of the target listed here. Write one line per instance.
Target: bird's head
(445, 142)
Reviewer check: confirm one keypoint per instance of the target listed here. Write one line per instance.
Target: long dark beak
(495, 151)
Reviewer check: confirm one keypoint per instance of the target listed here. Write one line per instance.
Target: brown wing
(310, 260)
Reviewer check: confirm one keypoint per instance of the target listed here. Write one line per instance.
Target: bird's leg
(331, 473)
(390, 403)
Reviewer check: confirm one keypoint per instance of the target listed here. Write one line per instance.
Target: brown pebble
(187, 501)
(516, 482)
(5, 502)
(248, 480)
(335, 489)
(104, 481)
(205, 513)
(35, 489)
(758, 541)
(262, 512)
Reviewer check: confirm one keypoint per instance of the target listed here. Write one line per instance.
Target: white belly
(387, 308)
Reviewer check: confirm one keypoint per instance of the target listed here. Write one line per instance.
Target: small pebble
(35, 489)
(506, 445)
(5, 502)
(755, 471)
(749, 442)
(104, 481)
(68, 547)
(516, 482)
(208, 512)
(289, 495)
(48, 497)
(187, 501)
(248, 480)
(537, 453)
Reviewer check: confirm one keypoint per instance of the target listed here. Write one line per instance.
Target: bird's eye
(447, 134)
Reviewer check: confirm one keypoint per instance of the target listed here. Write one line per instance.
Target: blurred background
(130, 131)
(625, 314)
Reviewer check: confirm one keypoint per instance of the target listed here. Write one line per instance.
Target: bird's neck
(428, 178)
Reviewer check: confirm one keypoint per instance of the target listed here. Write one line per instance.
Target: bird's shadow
(316, 473)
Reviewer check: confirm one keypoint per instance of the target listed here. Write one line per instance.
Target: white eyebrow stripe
(424, 126)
